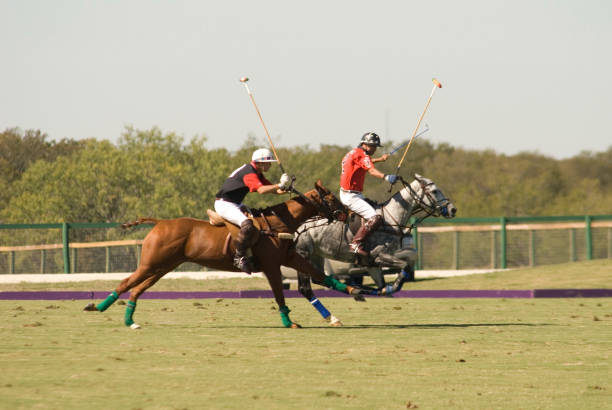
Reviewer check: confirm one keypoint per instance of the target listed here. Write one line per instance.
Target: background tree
(152, 173)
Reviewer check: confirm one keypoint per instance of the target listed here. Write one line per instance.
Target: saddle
(217, 220)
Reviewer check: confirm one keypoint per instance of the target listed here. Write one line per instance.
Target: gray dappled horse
(391, 245)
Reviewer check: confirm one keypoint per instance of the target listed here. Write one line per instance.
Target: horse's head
(429, 198)
(328, 205)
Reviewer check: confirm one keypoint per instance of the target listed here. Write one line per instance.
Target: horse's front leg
(297, 262)
(406, 275)
(134, 295)
(274, 276)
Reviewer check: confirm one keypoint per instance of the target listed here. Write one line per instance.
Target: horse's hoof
(359, 298)
(134, 326)
(295, 326)
(334, 321)
(90, 308)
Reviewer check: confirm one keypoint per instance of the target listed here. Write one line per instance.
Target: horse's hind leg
(297, 262)
(305, 289)
(135, 294)
(140, 274)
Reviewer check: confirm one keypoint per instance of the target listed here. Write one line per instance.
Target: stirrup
(243, 263)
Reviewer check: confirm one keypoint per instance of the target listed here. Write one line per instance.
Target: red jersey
(355, 164)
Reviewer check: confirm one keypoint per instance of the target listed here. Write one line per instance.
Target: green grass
(391, 354)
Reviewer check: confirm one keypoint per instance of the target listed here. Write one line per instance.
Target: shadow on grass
(396, 326)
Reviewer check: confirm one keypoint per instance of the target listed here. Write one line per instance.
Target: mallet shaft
(244, 80)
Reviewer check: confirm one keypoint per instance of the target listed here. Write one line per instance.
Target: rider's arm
(382, 158)
(376, 173)
(270, 189)
(260, 184)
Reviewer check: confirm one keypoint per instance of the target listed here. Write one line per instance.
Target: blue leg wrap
(319, 306)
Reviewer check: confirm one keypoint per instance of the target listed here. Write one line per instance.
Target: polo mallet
(437, 84)
(405, 143)
(244, 80)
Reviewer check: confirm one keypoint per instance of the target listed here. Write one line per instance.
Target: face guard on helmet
(370, 138)
(263, 155)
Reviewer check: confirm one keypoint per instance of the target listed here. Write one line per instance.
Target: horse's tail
(139, 221)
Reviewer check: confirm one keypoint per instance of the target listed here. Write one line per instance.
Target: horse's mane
(273, 209)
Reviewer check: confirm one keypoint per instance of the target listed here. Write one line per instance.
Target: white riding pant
(230, 211)
(356, 202)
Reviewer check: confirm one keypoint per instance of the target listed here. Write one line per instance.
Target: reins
(323, 207)
(420, 204)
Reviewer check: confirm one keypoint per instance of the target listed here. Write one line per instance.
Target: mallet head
(244, 79)
(437, 83)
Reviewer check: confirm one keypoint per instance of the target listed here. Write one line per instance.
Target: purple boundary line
(250, 294)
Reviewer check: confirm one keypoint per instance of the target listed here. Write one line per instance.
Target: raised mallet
(436, 86)
(405, 143)
(244, 81)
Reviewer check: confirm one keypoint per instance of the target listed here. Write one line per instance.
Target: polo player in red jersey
(248, 178)
(355, 164)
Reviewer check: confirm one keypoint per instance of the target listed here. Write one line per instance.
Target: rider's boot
(245, 238)
(366, 229)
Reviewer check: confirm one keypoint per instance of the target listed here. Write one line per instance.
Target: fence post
(502, 240)
(66, 249)
(589, 237)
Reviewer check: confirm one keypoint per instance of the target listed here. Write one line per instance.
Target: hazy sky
(517, 75)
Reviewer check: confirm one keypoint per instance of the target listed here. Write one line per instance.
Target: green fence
(460, 243)
(509, 242)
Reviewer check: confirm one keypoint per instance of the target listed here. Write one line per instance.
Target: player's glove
(390, 178)
(285, 182)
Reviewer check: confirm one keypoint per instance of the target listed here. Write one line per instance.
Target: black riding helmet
(370, 138)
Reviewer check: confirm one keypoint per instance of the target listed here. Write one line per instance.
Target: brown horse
(174, 241)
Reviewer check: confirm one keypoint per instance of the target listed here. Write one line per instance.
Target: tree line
(160, 174)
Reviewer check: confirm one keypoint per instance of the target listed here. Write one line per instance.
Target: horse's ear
(418, 177)
(319, 186)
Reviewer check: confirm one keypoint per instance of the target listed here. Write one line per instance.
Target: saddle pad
(217, 220)
(214, 218)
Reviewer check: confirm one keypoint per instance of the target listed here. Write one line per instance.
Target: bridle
(432, 207)
(322, 207)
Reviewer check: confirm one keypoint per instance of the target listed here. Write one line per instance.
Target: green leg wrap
(110, 299)
(129, 312)
(284, 312)
(331, 282)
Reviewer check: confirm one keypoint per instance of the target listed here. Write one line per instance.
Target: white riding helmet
(263, 155)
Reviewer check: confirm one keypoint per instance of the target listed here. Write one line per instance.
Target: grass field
(391, 353)
(589, 274)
